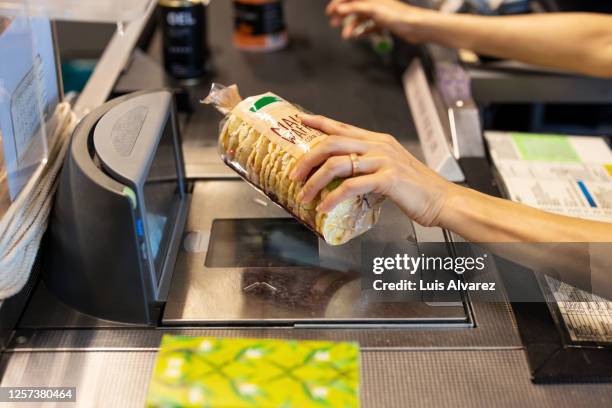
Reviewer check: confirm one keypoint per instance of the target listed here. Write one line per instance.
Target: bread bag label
(279, 121)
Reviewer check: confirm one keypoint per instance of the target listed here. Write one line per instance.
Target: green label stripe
(264, 101)
(548, 148)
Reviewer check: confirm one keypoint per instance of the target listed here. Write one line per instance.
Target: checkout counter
(235, 265)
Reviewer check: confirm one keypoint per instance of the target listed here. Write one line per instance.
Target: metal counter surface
(483, 366)
(421, 378)
(313, 283)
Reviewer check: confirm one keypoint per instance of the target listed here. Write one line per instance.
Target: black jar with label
(185, 46)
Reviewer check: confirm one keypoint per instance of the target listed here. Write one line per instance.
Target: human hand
(384, 167)
(394, 15)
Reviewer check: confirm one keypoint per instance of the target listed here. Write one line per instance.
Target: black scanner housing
(94, 258)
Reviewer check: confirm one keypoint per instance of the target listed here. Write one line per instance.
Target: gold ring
(354, 164)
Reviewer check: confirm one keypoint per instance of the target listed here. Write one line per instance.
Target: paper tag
(279, 121)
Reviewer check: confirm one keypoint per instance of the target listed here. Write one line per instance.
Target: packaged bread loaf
(262, 138)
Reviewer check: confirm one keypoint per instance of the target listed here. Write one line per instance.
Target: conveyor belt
(492, 378)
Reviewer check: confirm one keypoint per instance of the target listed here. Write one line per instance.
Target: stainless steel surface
(105, 379)
(466, 129)
(495, 328)
(422, 378)
(456, 105)
(312, 294)
(494, 378)
(401, 367)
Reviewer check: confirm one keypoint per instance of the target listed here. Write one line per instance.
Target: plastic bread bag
(261, 138)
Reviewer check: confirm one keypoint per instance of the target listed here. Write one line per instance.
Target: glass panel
(261, 242)
(161, 197)
(29, 94)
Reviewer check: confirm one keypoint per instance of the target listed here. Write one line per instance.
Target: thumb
(360, 8)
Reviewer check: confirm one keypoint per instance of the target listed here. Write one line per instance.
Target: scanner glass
(261, 242)
(161, 195)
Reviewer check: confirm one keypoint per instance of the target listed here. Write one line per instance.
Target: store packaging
(217, 372)
(262, 138)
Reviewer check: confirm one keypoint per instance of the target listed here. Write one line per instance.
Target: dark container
(259, 25)
(185, 45)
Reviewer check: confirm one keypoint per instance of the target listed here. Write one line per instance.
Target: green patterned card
(236, 373)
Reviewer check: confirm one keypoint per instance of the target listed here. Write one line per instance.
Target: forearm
(580, 42)
(576, 250)
(482, 218)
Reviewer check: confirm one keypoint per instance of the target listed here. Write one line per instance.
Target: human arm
(482, 218)
(579, 42)
(387, 168)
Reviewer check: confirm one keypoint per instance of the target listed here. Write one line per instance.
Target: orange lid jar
(259, 25)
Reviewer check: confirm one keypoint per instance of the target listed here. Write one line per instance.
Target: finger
(366, 33)
(331, 146)
(364, 25)
(360, 8)
(335, 167)
(334, 127)
(350, 188)
(365, 30)
(349, 26)
(331, 7)
(336, 21)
